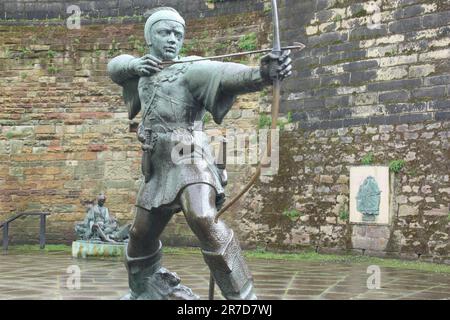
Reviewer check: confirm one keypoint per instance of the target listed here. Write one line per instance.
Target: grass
(305, 256)
(311, 256)
(30, 248)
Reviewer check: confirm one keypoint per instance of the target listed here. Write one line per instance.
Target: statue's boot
(230, 271)
(148, 280)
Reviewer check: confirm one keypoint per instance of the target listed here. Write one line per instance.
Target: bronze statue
(180, 173)
(99, 225)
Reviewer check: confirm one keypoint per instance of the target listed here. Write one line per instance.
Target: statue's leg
(147, 279)
(220, 247)
(143, 253)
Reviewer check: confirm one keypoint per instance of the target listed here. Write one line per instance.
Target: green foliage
(292, 214)
(140, 47)
(264, 121)
(337, 18)
(281, 124)
(221, 46)
(187, 48)
(344, 215)
(207, 118)
(390, 53)
(137, 44)
(10, 135)
(396, 165)
(51, 54)
(360, 13)
(448, 217)
(367, 159)
(23, 75)
(113, 51)
(24, 52)
(53, 69)
(184, 51)
(289, 117)
(248, 42)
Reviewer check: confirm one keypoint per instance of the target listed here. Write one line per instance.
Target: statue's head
(101, 199)
(164, 33)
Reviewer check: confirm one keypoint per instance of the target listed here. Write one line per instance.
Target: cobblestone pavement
(44, 276)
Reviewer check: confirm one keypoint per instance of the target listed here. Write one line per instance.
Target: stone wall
(94, 9)
(366, 66)
(65, 134)
(313, 182)
(371, 81)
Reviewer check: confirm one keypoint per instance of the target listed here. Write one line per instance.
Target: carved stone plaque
(369, 195)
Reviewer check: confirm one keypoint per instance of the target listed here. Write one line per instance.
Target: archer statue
(173, 95)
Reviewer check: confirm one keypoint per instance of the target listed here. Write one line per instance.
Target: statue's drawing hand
(145, 66)
(276, 67)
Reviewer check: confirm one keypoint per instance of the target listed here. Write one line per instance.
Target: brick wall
(65, 134)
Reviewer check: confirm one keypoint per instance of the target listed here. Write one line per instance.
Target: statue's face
(101, 201)
(166, 39)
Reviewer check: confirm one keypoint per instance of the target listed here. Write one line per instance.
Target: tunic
(173, 103)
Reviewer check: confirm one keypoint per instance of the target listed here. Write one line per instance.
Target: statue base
(96, 249)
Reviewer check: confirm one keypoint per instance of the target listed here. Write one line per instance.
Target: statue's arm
(107, 216)
(241, 79)
(120, 69)
(238, 79)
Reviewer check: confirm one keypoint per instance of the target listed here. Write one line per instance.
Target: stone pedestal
(86, 249)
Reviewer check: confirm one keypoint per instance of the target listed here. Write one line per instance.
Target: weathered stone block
(394, 96)
(358, 77)
(407, 210)
(406, 25)
(431, 92)
(434, 55)
(392, 73)
(421, 71)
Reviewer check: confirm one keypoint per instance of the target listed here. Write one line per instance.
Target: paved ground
(44, 276)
